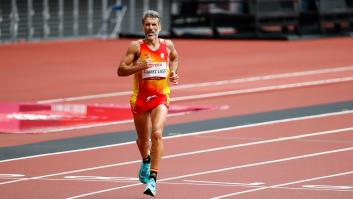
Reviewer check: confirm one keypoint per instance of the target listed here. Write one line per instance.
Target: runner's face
(151, 28)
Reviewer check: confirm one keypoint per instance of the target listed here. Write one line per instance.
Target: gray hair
(150, 14)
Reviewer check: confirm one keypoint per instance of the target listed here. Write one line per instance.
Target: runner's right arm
(129, 64)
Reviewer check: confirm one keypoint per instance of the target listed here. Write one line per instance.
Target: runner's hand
(144, 64)
(174, 78)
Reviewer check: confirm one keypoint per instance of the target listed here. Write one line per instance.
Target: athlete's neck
(152, 43)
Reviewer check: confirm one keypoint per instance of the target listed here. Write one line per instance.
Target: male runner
(152, 61)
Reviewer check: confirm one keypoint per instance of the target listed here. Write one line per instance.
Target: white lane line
(10, 175)
(284, 184)
(261, 184)
(193, 134)
(265, 88)
(226, 183)
(207, 84)
(266, 77)
(86, 97)
(328, 187)
(232, 168)
(195, 152)
(102, 178)
(218, 94)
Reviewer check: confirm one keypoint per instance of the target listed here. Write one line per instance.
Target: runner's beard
(151, 35)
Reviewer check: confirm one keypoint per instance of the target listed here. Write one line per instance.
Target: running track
(284, 127)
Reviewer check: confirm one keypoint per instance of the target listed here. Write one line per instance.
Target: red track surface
(304, 158)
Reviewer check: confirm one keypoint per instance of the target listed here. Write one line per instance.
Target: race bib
(157, 71)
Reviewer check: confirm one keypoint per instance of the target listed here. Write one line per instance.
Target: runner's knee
(156, 135)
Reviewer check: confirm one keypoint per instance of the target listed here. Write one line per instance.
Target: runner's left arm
(173, 62)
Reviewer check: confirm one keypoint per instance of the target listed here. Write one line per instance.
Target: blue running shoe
(144, 172)
(151, 188)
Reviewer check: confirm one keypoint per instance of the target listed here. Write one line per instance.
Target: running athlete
(153, 62)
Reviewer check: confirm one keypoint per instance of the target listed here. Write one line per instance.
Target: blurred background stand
(264, 19)
(33, 20)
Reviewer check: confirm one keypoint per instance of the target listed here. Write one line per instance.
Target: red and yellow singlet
(150, 87)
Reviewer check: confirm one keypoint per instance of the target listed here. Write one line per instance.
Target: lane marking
(192, 134)
(262, 89)
(284, 184)
(226, 183)
(11, 175)
(192, 153)
(328, 187)
(86, 97)
(233, 168)
(261, 184)
(101, 178)
(207, 84)
(115, 179)
(266, 77)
